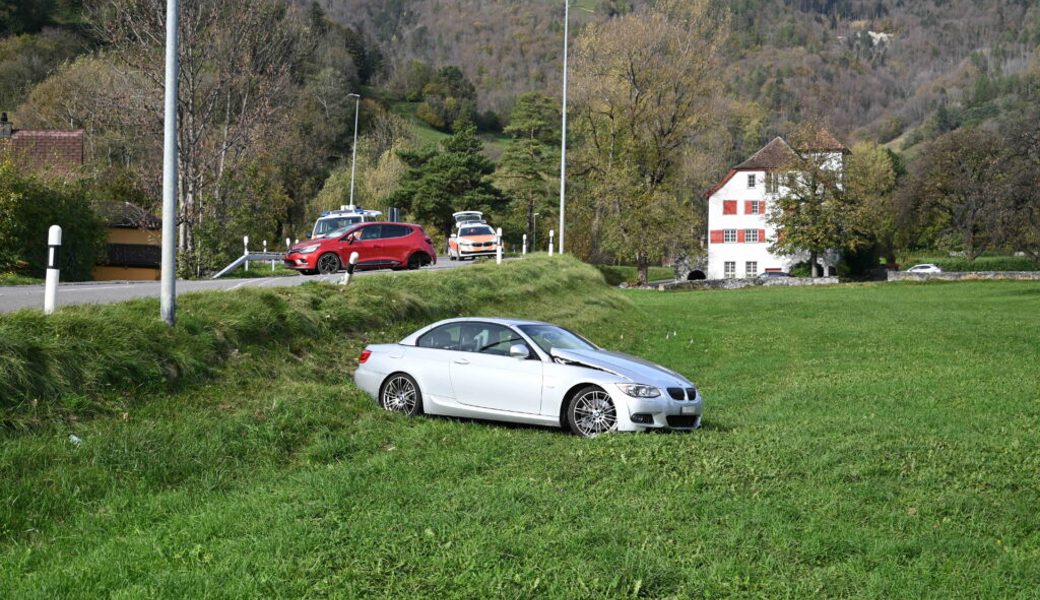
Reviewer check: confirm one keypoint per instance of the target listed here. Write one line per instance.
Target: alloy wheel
(400, 395)
(593, 413)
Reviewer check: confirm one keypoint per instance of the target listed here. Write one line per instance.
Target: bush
(28, 207)
(959, 264)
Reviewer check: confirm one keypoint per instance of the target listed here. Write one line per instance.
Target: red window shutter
(740, 236)
(747, 206)
(762, 207)
(716, 236)
(762, 235)
(729, 207)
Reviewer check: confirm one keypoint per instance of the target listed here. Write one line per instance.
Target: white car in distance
(525, 372)
(925, 268)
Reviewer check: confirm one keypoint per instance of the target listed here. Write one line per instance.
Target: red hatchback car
(379, 246)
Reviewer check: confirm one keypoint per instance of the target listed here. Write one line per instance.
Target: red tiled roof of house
(774, 155)
(824, 141)
(45, 151)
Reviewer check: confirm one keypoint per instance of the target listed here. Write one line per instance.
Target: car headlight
(638, 390)
(308, 249)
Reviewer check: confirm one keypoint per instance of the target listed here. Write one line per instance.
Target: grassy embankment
(15, 279)
(860, 441)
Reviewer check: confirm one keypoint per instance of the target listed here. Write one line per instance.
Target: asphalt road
(107, 292)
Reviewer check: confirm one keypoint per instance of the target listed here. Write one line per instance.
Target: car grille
(683, 420)
(676, 393)
(691, 393)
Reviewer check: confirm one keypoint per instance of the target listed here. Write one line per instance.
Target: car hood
(629, 367)
(478, 238)
(310, 242)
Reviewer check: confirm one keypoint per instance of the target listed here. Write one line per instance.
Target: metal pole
(50, 294)
(534, 233)
(353, 160)
(563, 132)
(168, 291)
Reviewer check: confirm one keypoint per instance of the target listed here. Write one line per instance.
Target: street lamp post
(353, 160)
(167, 291)
(563, 132)
(534, 232)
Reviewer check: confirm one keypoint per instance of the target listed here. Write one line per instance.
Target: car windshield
(331, 224)
(550, 336)
(476, 231)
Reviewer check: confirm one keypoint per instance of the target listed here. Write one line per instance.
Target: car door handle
(461, 361)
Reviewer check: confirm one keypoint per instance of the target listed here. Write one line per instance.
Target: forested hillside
(870, 68)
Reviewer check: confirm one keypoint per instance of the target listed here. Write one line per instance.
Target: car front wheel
(401, 394)
(328, 263)
(591, 412)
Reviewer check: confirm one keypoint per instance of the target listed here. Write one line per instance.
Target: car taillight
(364, 357)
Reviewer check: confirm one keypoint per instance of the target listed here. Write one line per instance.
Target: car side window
(445, 337)
(489, 338)
(371, 232)
(395, 231)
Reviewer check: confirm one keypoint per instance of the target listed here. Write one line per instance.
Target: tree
(528, 171)
(956, 187)
(870, 182)
(235, 66)
(812, 213)
(449, 100)
(644, 92)
(442, 181)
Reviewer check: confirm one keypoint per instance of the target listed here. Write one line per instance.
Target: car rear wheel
(401, 394)
(591, 412)
(328, 263)
(419, 259)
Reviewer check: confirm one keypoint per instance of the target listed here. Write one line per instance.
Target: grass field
(860, 441)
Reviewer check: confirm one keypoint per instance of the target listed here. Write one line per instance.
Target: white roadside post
(265, 252)
(288, 244)
(245, 243)
(552, 234)
(498, 246)
(50, 295)
(351, 264)
(525, 245)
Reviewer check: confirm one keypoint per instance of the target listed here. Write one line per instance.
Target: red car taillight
(364, 357)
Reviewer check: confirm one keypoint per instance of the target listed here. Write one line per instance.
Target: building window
(772, 182)
(730, 269)
(729, 236)
(751, 236)
(751, 268)
(729, 207)
(755, 207)
(751, 181)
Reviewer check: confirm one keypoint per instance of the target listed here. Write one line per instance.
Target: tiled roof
(775, 155)
(823, 141)
(45, 151)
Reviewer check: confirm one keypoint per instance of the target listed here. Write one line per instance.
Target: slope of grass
(494, 144)
(615, 275)
(15, 279)
(77, 359)
(860, 441)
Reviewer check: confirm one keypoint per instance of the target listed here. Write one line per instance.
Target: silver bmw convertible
(525, 372)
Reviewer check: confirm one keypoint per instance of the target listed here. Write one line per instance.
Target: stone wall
(965, 276)
(735, 284)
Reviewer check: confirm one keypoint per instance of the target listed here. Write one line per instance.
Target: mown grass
(860, 441)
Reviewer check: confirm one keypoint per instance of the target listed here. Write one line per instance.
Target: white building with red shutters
(739, 234)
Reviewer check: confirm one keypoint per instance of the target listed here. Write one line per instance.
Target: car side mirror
(519, 351)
